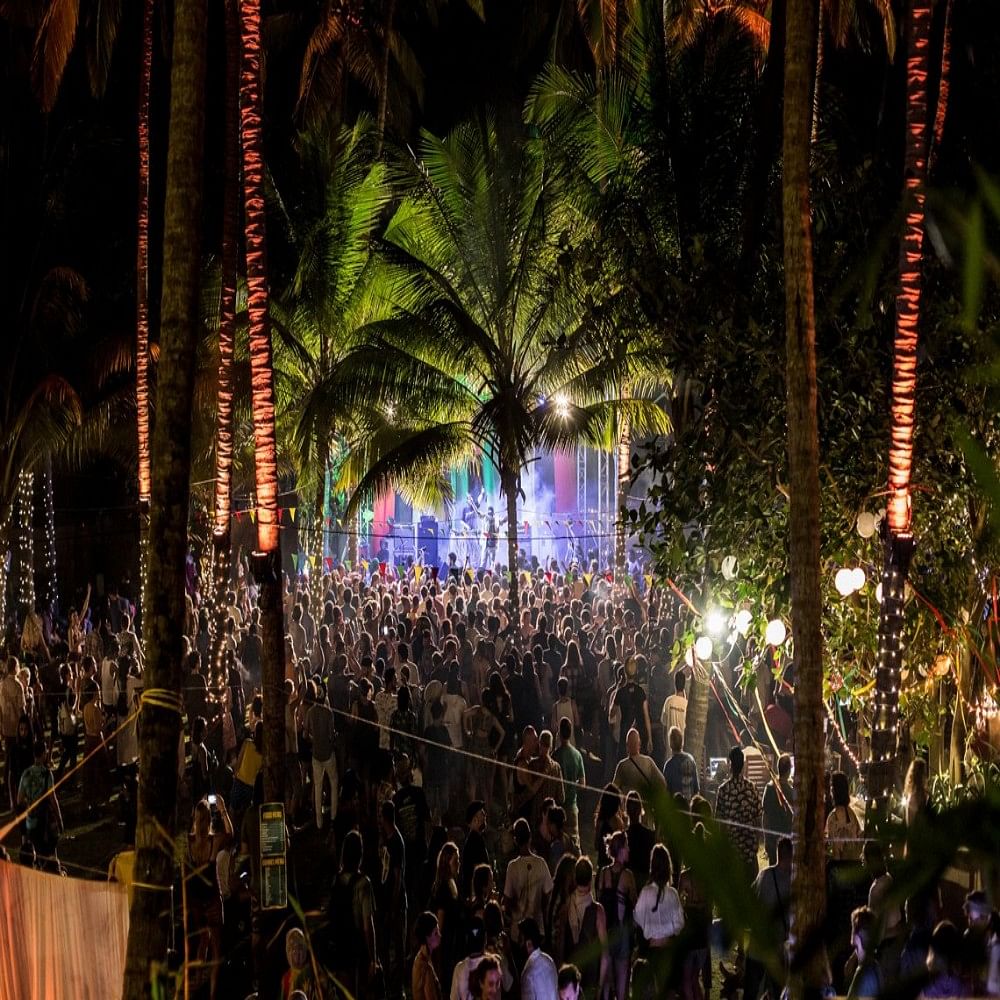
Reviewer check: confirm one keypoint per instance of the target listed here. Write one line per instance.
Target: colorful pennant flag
(418, 572)
(291, 511)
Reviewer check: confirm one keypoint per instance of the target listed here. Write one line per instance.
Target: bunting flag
(381, 568)
(364, 565)
(347, 565)
(418, 572)
(253, 514)
(525, 576)
(649, 581)
(628, 579)
(548, 576)
(610, 577)
(313, 560)
(587, 577)
(328, 562)
(239, 515)
(291, 511)
(468, 575)
(400, 571)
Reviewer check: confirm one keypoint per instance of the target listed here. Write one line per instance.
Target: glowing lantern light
(844, 582)
(703, 648)
(775, 633)
(858, 577)
(743, 621)
(715, 623)
(689, 656)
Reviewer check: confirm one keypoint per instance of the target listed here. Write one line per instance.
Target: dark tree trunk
(509, 483)
(383, 83)
(809, 866)
(160, 721)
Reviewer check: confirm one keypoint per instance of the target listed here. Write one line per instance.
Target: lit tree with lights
(267, 558)
(489, 334)
(898, 534)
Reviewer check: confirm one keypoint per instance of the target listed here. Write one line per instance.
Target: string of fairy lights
(26, 541)
(51, 595)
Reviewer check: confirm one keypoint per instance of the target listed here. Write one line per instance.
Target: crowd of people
(498, 795)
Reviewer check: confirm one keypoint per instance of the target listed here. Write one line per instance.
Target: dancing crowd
(488, 796)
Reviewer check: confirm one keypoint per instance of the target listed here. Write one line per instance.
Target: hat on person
(474, 807)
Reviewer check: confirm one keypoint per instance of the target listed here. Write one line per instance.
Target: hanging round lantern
(866, 524)
(844, 582)
(743, 621)
(730, 567)
(703, 648)
(775, 633)
(858, 577)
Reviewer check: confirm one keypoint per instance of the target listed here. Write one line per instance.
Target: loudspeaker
(427, 539)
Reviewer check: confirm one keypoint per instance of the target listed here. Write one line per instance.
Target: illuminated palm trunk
(899, 540)
(809, 861)
(142, 296)
(221, 533)
(267, 559)
(159, 727)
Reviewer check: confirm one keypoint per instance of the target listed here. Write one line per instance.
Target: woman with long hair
(446, 904)
(658, 912)
(608, 819)
(563, 886)
(425, 984)
(617, 893)
(843, 831)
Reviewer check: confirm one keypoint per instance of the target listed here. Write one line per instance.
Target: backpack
(67, 720)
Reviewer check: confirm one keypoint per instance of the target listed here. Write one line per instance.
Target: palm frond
(53, 45)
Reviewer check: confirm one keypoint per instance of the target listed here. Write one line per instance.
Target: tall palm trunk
(899, 539)
(222, 534)
(383, 83)
(267, 560)
(696, 725)
(818, 79)
(508, 482)
(142, 294)
(809, 865)
(944, 89)
(160, 722)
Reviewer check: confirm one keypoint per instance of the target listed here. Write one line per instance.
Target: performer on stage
(492, 534)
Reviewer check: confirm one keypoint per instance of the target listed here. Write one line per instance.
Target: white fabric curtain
(60, 938)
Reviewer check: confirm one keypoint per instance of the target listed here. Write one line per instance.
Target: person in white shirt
(658, 911)
(675, 707)
(539, 979)
(527, 883)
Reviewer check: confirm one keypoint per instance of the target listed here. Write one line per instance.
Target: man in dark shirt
(641, 839)
(474, 852)
(412, 818)
(392, 853)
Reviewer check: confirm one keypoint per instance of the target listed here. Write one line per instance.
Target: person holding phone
(211, 832)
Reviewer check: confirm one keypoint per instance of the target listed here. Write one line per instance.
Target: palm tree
(142, 295)
(160, 726)
(808, 873)
(330, 223)
(268, 555)
(899, 538)
(490, 345)
(56, 24)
